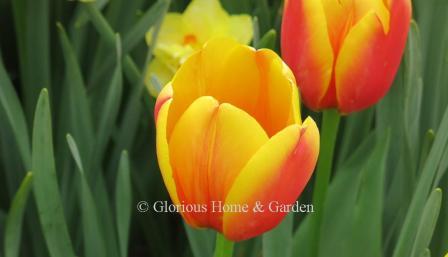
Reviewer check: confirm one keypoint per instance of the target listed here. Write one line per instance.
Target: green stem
(224, 247)
(330, 125)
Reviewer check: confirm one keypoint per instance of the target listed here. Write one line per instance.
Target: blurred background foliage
(76, 157)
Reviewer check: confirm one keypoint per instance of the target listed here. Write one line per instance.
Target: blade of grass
(45, 184)
(93, 239)
(123, 205)
(14, 221)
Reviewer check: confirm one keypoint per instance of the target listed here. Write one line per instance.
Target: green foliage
(75, 115)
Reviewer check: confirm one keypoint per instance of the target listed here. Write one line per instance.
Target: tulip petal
(277, 84)
(163, 151)
(343, 14)
(209, 146)
(306, 48)
(254, 81)
(164, 95)
(369, 59)
(197, 74)
(278, 172)
(241, 28)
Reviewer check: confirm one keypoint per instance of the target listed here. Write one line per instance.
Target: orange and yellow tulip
(344, 53)
(229, 131)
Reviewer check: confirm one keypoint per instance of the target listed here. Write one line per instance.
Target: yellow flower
(230, 138)
(182, 34)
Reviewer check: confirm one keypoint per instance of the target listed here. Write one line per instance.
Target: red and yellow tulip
(344, 53)
(229, 131)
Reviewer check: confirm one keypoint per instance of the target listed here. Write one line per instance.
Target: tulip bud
(344, 53)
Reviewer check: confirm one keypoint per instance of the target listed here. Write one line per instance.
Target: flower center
(190, 39)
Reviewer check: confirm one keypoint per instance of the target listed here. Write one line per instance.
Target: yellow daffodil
(182, 34)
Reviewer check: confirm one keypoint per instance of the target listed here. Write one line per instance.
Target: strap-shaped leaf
(45, 184)
(14, 221)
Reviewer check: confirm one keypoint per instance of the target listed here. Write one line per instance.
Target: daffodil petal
(209, 146)
(241, 28)
(161, 72)
(171, 31)
(206, 19)
(278, 172)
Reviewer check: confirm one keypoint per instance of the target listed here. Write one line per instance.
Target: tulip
(344, 53)
(182, 34)
(229, 132)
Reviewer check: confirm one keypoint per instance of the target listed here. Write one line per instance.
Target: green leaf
(139, 30)
(356, 127)
(433, 19)
(278, 241)
(109, 110)
(93, 239)
(33, 19)
(369, 207)
(201, 241)
(301, 239)
(413, 87)
(441, 170)
(2, 228)
(10, 104)
(426, 253)
(123, 202)
(256, 29)
(263, 13)
(79, 116)
(361, 208)
(428, 140)
(409, 229)
(268, 40)
(14, 221)
(428, 223)
(130, 39)
(45, 184)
